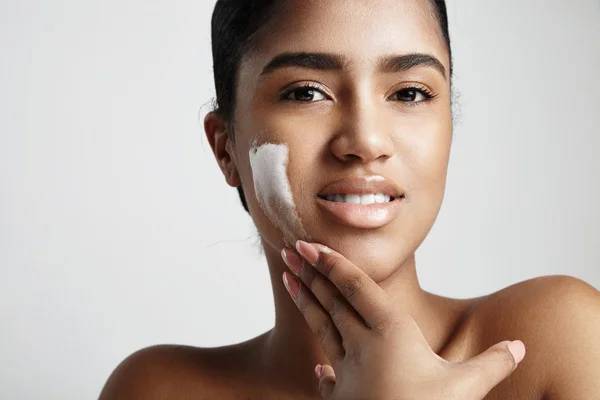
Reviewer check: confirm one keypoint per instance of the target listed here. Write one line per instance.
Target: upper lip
(362, 185)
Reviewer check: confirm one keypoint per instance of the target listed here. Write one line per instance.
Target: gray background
(117, 230)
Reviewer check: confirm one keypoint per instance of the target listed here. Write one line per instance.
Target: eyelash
(428, 94)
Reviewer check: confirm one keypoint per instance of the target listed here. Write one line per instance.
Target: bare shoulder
(174, 372)
(154, 373)
(557, 317)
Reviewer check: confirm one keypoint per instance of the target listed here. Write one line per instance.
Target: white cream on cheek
(269, 171)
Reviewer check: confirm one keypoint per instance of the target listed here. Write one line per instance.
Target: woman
(334, 122)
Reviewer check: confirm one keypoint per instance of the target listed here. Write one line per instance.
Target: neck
(291, 349)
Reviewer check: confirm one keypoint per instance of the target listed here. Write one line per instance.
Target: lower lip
(365, 216)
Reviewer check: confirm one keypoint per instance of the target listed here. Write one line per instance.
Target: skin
(355, 125)
(370, 341)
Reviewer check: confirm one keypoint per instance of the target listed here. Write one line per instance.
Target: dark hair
(236, 32)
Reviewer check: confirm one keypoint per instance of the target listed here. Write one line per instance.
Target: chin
(377, 252)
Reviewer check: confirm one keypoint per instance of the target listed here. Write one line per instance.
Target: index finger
(368, 299)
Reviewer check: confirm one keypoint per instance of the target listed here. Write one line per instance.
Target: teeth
(365, 199)
(352, 199)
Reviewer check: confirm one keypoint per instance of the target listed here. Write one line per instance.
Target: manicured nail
(318, 370)
(291, 284)
(517, 348)
(292, 260)
(310, 253)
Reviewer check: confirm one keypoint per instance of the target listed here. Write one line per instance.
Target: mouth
(361, 202)
(363, 199)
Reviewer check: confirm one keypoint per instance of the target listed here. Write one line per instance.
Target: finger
(365, 296)
(326, 381)
(343, 315)
(316, 318)
(494, 365)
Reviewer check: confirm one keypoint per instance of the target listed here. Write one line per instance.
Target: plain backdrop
(117, 230)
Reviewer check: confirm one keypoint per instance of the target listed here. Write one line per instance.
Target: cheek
(428, 154)
(425, 158)
(269, 163)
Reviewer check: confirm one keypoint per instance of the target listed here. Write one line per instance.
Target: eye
(413, 95)
(305, 93)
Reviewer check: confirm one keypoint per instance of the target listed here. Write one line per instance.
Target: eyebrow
(337, 62)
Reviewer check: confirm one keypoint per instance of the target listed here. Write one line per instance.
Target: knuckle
(337, 302)
(352, 349)
(352, 286)
(330, 263)
(321, 331)
(506, 358)
(382, 327)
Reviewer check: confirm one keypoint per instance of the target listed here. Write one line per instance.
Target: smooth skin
(362, 120)
(376, 348)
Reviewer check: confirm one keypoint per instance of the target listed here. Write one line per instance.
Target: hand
(376, 349)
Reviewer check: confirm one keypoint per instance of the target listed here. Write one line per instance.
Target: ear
(222, 147)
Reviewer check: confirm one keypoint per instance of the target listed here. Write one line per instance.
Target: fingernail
(292, 260)
(291, 284)
(310, 253)
(517, 348)
(318, 370)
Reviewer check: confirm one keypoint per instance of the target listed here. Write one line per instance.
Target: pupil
(410, 94)
(307, 92)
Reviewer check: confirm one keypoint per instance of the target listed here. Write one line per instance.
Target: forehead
(360, 30)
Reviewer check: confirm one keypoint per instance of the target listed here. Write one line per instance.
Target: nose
(365, 134)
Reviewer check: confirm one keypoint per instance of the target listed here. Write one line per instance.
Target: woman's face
(368, 118)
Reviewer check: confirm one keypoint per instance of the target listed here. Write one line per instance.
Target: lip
(364, 216)
(362, 185)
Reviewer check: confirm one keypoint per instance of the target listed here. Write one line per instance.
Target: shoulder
(558, 319)
(572, 339)
(161, 372)
(543, 300)
(552, 293)
(186, 372)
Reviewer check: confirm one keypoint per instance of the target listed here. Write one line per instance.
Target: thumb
(495, 365)
(326, 377)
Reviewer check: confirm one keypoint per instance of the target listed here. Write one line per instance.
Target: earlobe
(222, 147)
